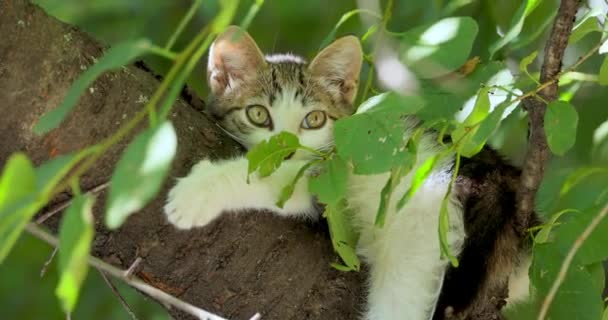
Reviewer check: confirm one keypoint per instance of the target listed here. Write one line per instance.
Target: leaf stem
(182, 24)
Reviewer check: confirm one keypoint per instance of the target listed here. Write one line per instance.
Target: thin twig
(48, 262)
(137, 283)
(538, 150)
(132, 267)
(122, 300)
(561, 276)
(67, 203)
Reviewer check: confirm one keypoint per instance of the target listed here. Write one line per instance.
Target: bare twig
(538, 151)
(67, 203)
(48, 262)
(132, 267)
(122, 300)
(561, 276)
(137, 283)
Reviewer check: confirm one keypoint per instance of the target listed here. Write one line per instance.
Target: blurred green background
(283, 26)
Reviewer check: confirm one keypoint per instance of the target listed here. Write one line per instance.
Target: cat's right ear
(234, 58)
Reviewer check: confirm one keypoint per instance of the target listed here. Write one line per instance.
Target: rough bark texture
(235, 267)
(538, 150)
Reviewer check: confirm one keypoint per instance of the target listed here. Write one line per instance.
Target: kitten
(255, 97)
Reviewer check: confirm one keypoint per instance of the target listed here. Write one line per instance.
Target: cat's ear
(338, 67)
(234, 58)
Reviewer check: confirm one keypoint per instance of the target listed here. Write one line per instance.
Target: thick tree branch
(538, 151)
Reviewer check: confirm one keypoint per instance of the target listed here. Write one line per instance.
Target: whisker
(231, 135)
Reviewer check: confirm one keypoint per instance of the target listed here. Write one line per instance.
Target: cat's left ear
(234, 59)
(338, 67)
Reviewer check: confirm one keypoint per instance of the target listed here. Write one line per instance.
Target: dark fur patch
(486, 187)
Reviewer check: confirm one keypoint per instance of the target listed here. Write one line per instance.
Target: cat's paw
(196, 200)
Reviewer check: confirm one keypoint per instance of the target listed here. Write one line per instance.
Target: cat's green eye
(314, 120)
(258, 115)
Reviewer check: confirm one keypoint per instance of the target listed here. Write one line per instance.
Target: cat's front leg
(215, 187)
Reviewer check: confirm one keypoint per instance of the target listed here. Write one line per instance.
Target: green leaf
(593, 249)
(24, 190)
(330, 185)
(396, 176)
(525, 62)
(561, 120)
(578, 288)
(373, 139)
(116, 57)
(604, 47)
(535, 24)
(516, 25)
(486, 128)
(437, 49)
(419, 177)
(543, 234)
(140, 172)
(605, 316)
(603, 75)
(267, 156)
(343, 236)
(444, 227)
(75, 236)
(444, 218)
(287, 190)
(17, 190)
(17, 181)
(444, 98)
(464, 134)
(587, 25)
(345, 17)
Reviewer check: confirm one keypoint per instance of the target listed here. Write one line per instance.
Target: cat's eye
(258, 115)
(314, 120)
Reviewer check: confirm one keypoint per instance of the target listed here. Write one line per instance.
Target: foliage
(475, 104)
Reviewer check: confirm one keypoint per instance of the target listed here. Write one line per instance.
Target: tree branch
(136, 283)
(538, 151)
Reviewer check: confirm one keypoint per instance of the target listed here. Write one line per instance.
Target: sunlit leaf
(586, 26)
(75, 236)
(267, 156)
(437, 49)
(373, 139)
(343, 236)
(418, 179)
(330, 184)
(517, 24)
(24, 190)
(535, 24)
(443, 99)
(17, 189)
(464, 134)
(604, 47)
(140, 172)
(561, 121)
(116, 57)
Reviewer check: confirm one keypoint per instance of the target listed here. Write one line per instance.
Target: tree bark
(239, 265)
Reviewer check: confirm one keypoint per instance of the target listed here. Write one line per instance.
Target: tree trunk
(239, 265)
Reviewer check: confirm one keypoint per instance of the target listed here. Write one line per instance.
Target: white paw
(196, 200)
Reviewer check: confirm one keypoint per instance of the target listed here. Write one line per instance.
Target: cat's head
(254, 97)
